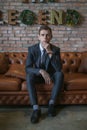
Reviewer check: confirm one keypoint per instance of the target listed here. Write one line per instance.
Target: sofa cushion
(17, 70)
(9, 84)
(83, 65)
(39, 87)
(75, 81)
(76, 84)
(4, 63)
(73, 76)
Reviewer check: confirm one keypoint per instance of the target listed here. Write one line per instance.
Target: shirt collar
(41, 48)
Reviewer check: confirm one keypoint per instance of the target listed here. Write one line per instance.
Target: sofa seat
(77, 84)
(71, 76)
(9, 84)
(75, 81)
(40, 87)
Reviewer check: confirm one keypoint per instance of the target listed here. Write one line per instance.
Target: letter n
(56, 17)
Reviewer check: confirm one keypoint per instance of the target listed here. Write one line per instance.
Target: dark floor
(68, 118)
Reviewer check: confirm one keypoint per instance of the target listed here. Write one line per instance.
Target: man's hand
(48, 49)
(46, 76)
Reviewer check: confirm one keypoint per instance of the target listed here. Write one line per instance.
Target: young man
(43, 64)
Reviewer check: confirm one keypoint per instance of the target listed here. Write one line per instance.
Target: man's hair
(45, 27)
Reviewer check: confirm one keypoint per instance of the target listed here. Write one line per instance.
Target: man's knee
(59, 74)
(30, 76)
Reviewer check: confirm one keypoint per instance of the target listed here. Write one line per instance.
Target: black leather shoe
(35, 116)
(51, 111)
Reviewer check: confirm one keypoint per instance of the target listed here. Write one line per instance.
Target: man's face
(44, 37)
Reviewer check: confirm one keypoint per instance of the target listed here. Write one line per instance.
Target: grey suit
(52, 66)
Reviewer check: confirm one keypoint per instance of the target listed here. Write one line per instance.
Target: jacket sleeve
(56, 60)
(30, 63)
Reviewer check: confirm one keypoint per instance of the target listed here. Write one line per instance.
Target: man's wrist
(48, 50)
(40, 71)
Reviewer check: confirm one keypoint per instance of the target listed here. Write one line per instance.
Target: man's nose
(45, 36)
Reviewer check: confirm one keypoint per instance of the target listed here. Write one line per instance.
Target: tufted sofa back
(70, 60)
(17, 57)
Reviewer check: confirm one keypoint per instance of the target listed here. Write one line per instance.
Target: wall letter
(42, 17)
(12, 17)
(56, 17)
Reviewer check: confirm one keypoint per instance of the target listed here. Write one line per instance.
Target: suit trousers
(32, 79)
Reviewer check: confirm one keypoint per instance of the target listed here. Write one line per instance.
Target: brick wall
(19, 37)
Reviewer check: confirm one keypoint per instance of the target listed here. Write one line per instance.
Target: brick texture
(19, 37)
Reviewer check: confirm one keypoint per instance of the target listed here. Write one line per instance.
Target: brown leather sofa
(13, 90)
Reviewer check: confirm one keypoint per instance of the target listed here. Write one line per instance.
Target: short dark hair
(45, 27)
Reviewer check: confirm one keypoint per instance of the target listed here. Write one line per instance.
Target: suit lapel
(37, 55)
(48, 59)
(37, 50)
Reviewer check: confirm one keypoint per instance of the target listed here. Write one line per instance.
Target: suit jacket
(34, 53)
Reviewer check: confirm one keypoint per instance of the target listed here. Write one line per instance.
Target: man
(43, 64)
